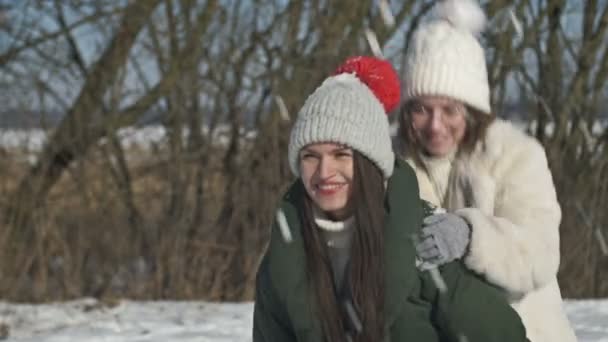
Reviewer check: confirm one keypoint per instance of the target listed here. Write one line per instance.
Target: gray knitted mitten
(444, 238)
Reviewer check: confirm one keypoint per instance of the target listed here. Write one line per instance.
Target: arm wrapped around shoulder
(517, 247)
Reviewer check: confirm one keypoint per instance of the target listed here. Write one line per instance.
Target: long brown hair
(477, 127)
(366, 274)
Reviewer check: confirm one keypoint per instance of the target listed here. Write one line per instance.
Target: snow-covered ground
(589, 319)
(88, 320)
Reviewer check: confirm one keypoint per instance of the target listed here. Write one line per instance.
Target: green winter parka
(415, 310)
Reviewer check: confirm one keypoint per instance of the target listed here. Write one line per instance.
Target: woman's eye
(417, 108)
(452, 110)
(344, 155)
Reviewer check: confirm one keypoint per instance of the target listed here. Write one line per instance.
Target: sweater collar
(435, 160)
(326, 224)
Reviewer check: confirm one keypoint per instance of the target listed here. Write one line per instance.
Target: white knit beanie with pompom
(445, 57)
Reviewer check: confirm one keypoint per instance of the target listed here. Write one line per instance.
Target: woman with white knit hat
(341, 265)
(493, 180)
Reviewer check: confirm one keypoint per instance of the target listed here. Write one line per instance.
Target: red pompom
(378, 75)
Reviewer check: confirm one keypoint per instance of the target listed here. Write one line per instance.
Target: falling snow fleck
(284, 226)
(282, 108)
(385, 12)
(372, 40)
(516, 23)
(602, 241)
(438, 280)
(352, 314)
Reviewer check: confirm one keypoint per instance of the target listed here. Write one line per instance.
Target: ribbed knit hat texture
(350, 108)
(445, 57)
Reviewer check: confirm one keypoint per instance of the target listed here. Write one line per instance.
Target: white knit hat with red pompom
(350, 108)
(446, 59)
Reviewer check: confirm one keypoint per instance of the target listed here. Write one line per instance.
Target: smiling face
(439, 123)
(326, 170)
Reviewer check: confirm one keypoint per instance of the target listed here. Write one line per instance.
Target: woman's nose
(326, 168)
(436, 123)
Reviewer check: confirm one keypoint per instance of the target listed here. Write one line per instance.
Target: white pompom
(463, 14)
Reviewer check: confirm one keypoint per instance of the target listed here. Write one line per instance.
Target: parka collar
(288, 259)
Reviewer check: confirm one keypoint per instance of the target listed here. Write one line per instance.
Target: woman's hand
(444, 238)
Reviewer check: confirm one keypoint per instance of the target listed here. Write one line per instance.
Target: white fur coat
(505, 190)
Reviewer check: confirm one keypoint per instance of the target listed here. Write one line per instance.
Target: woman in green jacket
(340, 265)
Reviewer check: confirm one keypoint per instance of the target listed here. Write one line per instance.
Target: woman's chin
(334, 211)
(439, 150)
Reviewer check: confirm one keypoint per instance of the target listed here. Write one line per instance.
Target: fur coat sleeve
(506, 193)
